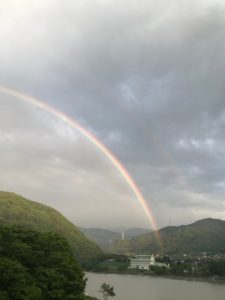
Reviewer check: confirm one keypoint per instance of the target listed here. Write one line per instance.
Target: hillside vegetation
(16, 210)
(38, 266)
(207, 235)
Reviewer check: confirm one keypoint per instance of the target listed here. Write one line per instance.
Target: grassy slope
(15, 209)
(204, 235)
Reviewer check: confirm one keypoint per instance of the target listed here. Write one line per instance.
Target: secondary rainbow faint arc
(74, 124)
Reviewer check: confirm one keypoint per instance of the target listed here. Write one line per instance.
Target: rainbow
(71, 122)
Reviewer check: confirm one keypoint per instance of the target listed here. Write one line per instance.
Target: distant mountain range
(16, 210)
(207, 235)
(106, 238)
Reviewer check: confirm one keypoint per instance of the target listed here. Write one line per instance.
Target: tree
(16, 283)
(38, 266)
(107, 291)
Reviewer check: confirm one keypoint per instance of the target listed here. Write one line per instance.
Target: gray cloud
(146, 77)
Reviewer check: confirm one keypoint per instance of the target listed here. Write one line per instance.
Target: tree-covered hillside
(207, 235)
(16, 210)
(38, 266)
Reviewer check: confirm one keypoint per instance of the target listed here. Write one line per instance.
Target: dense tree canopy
(37, 266)
(217, 268)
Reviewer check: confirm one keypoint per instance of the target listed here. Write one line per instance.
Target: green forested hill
(207, 235)
(38, 266)
(16, 210)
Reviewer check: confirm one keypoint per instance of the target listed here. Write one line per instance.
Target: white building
(141, 262)
(152, 261)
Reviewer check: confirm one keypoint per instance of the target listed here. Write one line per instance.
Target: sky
(145, 77)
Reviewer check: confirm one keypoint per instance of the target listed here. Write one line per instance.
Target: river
(137, 287)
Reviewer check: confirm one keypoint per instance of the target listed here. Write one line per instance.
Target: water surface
(137, 287)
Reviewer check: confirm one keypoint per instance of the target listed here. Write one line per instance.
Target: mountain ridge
(104, 238)
(203, 235)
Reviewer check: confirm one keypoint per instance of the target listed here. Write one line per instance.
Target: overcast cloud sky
(146, 77)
